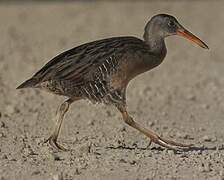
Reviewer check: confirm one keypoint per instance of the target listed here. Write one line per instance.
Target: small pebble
(4, 156)
(148, 178)
(207, 167)
(142, 144)
(164, 113)
(109, 113)
(214, 139)
(151, 123)
(40, 140)
(2, 135)
(201, 168)
(91, 122)
(10, 109)
(56, 157)
(84, 149)
(2, 124)
(77, 171)
(57, 177)
(206, 106)
(170, 152)
(133, 162)
(173, 123)
(182, 135)
(191, 97)
(10, 158)
(206, 138)
(35, 172)
(123, 161)
(221, 173)
(122, 128)
(183, 155)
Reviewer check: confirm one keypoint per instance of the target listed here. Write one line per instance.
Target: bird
(100, 71)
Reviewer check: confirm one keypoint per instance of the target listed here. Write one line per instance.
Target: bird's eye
(171, 24)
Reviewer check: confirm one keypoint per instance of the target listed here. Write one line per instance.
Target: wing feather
(79, 64)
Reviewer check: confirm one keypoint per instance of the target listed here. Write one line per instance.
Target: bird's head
(165, 25)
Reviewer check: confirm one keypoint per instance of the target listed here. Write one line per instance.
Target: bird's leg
(152, 135)
(63, 108)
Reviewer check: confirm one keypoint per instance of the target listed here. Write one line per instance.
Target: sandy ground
(182, 99)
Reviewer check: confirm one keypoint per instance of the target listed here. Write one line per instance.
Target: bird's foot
(53, 142)
(170, 144)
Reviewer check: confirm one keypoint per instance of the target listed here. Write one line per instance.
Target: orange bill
(191, 37)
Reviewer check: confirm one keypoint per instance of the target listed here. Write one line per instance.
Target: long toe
(176, 143)
(171, 144)
(53, 142)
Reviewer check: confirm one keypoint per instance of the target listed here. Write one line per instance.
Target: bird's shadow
(191, 149)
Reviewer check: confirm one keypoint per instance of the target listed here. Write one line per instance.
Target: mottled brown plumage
(98, 71)
(101, 70)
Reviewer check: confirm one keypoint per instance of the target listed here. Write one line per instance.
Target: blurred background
(182, 99)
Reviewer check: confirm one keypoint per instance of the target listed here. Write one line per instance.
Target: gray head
(163, 25)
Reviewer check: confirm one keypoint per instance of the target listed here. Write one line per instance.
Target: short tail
(28, 84)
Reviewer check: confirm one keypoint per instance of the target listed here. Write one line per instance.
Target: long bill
(183, 32)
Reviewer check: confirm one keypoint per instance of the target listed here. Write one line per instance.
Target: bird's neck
(155, 42)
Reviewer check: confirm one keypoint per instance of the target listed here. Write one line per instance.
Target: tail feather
(28, 84)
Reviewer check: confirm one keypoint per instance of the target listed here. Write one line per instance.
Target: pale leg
(63, 108)
(152, 135)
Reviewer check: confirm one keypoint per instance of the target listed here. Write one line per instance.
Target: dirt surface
(182, 99)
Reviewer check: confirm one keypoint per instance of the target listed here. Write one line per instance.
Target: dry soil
(182, 99)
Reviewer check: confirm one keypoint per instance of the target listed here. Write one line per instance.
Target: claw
(53, 142)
